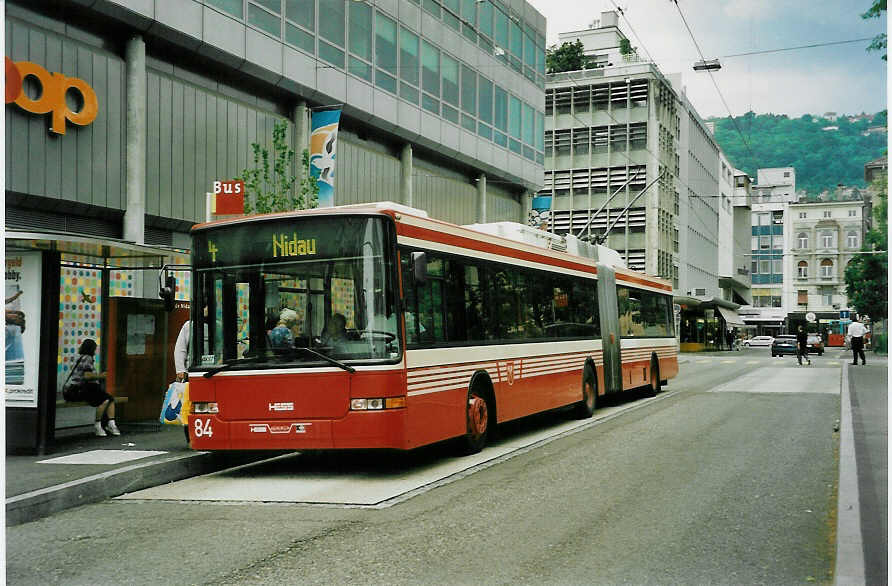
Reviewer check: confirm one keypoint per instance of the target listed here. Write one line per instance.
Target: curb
(849, 544)
(37, 504)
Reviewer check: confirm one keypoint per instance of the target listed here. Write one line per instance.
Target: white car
(759, 341)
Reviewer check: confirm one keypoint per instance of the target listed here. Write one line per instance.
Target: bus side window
(475, 314)
(410, 297)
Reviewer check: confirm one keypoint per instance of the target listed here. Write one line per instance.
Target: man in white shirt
(856, 335)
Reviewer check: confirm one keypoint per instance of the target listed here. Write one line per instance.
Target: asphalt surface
(622, 505)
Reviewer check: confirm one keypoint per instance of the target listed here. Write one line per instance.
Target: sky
(840, 78)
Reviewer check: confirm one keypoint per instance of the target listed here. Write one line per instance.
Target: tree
(272, 189)
(879, 42)
(567, 57)
(866, 275)
(626, 49)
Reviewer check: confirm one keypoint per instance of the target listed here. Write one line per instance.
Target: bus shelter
(705, 324)
(62, 289)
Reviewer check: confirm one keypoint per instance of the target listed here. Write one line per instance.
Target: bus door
(610, 333)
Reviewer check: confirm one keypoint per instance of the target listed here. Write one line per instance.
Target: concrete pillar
(406, 175)
(300, 140)
(481, 198)
(526, 206)
(135, 214)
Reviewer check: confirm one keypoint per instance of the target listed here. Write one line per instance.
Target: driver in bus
(336, 332)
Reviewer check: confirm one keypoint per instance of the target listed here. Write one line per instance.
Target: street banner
(323, 150)
(23, 292)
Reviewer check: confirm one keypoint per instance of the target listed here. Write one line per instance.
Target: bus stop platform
(83, 468)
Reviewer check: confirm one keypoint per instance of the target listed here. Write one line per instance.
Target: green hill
(822, 158)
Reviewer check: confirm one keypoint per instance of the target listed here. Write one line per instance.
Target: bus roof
(503, 239)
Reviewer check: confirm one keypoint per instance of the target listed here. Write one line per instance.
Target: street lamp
(707, 65)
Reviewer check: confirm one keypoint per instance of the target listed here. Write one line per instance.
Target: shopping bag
(176, 406)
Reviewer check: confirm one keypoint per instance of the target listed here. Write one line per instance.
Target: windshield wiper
(231, 363)
(328, 359)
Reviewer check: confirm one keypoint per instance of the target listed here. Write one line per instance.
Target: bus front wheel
(478, 423)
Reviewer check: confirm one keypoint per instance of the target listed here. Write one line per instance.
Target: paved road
(715, 482)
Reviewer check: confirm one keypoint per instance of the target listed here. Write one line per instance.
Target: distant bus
(376, 327)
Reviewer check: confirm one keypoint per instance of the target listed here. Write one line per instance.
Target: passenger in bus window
(281, 335)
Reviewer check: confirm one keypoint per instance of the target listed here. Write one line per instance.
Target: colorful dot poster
(80, 316)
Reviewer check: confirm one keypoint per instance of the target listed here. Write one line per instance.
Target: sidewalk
(862, 527)
(83, 468)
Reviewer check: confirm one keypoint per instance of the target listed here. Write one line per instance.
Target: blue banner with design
(323, 151)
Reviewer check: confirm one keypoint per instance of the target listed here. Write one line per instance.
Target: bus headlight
(377, 404)
(205, 408)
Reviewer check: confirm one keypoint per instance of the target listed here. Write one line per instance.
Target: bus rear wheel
(586, 407)
(655, 385)
(478, 423)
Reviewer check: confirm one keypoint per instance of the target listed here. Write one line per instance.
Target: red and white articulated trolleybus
(376, 327)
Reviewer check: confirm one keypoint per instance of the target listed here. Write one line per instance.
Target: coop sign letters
(51, 97)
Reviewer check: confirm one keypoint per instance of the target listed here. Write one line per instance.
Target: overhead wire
(714, 82)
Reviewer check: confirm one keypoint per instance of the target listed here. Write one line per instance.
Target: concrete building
(734, 235)
(151, 101)
(624, 148)
(774, 190)
(824, 237)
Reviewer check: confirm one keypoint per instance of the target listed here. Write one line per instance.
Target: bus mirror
(419, 264)
(168, 292)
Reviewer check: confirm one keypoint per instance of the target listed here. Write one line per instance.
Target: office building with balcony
(824, 237)
(442, 109)
(626, 150)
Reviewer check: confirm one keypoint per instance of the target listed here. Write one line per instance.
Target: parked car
(815, 344)
(758, 341)
(783, 345)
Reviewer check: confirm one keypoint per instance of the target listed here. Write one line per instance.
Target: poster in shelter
(22, 337)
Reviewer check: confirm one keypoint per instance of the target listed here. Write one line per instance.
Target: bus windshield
(271, 289)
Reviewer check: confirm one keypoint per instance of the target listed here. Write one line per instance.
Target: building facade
(129, 110)
(824, 237)
(774, 190)
(625, 150)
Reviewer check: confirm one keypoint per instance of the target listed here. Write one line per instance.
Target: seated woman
(281, 335)
(89, 388)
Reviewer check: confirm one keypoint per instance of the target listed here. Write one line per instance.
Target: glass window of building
(765, 267)
(516, 43)
(540, 131)
(469, 16)
(803, 240)
(450, 79)
(430, 69)
(385, 52)
(827, 214)
(450, 15)
(826, 268)
(827, 295)
(302, 12)
(408, 56)
(853, 213)
(764, 242)
(827, 239)
(777, 242)
(233, 7)
(265, 17)
(755, 243)
(485, 97)
(502, 34)
(432, 6)
(529, 129)
(468, 90)
(802, 215)
(777, 266)
(485, 17)
(802, 270)
(852, 239)
(331, 28)
(361, 30)
(514, 122)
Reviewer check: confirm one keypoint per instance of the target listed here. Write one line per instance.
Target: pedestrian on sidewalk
(856, 334)
(90, 390)
(802, 345)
